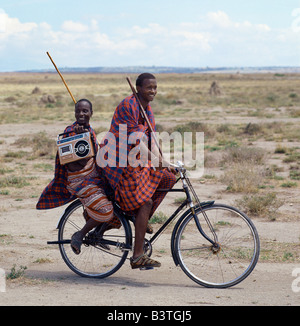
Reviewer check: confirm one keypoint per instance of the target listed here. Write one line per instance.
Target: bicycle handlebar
(179, 166)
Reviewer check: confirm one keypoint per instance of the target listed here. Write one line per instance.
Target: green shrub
(261, 205)
(16, 273)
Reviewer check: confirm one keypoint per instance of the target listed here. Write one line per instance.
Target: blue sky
(189, 33)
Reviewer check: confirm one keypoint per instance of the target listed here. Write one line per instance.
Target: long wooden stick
(144, 115)
(62, 78)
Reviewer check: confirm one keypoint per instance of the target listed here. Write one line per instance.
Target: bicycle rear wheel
(226, 263)
(103, 251)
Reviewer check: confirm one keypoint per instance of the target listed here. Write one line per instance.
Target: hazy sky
(189, 33)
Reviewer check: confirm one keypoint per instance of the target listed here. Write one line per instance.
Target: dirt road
(48, 281)
(24, 233)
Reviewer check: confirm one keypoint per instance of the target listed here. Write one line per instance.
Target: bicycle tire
(100, 257)
(226, 265)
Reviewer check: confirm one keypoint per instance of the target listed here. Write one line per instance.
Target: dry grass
(272, 251)
(244, 171)
(250, 155)
(251, 109)
(249, 95)
(243, 177)
(260, 205)
(13, 181)
(40, 143)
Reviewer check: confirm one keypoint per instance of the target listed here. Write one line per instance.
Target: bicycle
(216, 245)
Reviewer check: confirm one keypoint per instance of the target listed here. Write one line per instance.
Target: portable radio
(74, 148)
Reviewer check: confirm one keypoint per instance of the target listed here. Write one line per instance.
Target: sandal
(76, 243)
(149, 229)
(143, 262)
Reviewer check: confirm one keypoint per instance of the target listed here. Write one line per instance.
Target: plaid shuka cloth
(116, 158)
(56, 193)
(138, 185)
(133, 186)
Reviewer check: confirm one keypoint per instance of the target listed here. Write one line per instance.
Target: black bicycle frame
(187, 201)
(170, 219)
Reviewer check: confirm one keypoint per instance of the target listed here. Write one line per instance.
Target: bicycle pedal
(146, 268)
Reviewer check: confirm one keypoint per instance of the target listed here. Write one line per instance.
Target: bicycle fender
(174, 255)
(60, 220)
(174, 233)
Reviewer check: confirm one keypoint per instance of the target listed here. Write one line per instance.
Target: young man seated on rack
(135, 187)
(81, 179)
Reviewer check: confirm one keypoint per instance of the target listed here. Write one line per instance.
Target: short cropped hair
(85, 100)
(142, 77)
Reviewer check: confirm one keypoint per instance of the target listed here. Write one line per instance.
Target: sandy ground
(25, 233)
(52, 283)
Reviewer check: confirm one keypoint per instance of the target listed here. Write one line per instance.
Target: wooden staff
(144, 115)
(62, 78)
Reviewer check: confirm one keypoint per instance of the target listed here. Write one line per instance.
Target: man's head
(83, 112)
(147, 87)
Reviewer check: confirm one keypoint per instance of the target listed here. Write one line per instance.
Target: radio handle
(69, 132)
(65, 133)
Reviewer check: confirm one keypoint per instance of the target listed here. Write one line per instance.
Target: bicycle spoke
(215, 245)
(225, 263)
(94, 260)
(196, 248)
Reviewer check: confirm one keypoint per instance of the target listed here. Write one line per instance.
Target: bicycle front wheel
(104, 249)
(230, 260)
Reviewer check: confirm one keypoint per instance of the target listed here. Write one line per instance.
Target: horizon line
(159, 69)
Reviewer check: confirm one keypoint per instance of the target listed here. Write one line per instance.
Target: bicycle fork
(192, 208)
